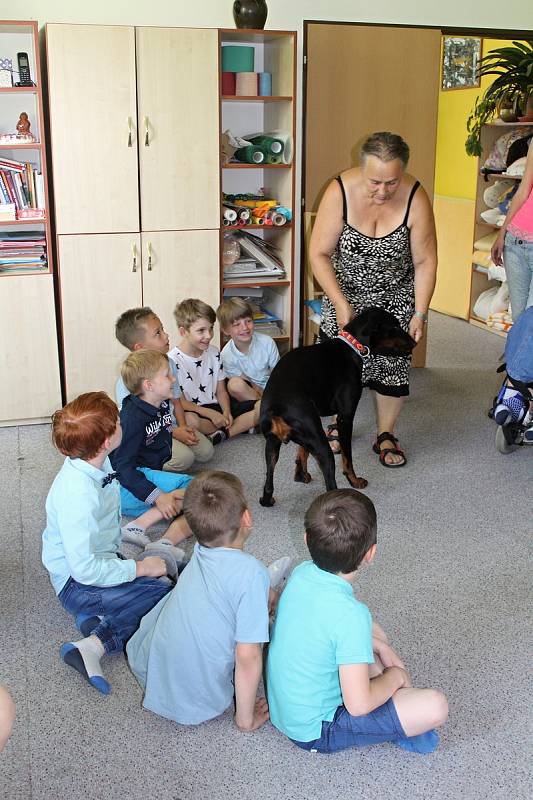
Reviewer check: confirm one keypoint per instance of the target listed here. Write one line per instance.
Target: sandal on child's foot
(383, 452)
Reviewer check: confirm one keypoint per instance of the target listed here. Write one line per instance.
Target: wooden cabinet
(93, 118)
(181, 266)
(99, 280)
(28, 359)
(141, 176)
(177, 84)
(29, 362)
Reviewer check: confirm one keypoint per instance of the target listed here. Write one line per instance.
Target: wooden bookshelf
(27, 308)
(274, 52)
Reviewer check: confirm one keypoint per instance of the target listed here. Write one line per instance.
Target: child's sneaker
(279, 571)
(133, 534)
(511, 406)
(218, 436)
(164, 553)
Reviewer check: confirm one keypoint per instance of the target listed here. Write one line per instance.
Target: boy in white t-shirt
(202, 380)
(249, 357)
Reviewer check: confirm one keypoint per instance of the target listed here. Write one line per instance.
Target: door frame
(486, 33)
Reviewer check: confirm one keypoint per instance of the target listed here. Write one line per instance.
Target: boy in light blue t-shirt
(202, 646)
(249, 357)
(333, 681)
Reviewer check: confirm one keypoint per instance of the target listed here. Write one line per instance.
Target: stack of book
(21, 185)
(259, 259)
(22, 252)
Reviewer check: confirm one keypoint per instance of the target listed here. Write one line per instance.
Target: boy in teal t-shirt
(333, 680)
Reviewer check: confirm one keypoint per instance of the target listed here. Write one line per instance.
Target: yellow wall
(455, 172)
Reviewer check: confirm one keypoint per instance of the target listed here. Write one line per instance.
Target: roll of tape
(265, 84)
(246, 84)
(228, 83)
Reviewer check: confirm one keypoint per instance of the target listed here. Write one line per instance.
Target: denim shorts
(344, 730)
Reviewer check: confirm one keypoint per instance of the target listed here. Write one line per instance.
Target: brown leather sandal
(388, 437)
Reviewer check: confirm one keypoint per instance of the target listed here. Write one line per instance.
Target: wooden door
(93, 110)
(176, 265)
(365, 78)
(177, 74)
(29, 362)
(100, 277)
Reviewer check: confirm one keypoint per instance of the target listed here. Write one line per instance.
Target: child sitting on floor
(141, 329)
(202, 645)
(333, 681)
(249, 357)
(202, 378)
(146, 491)
(106, 593)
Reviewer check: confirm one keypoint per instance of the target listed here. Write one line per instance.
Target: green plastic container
(237, 59)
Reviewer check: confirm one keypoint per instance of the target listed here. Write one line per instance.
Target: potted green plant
(513, 66)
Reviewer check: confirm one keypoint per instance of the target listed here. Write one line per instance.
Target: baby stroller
(513, 407)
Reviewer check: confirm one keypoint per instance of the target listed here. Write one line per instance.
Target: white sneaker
(279, 571)
(134, 535)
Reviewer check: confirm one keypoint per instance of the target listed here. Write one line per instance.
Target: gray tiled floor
(450, 585)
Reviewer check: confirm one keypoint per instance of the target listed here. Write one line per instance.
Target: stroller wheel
(507, 439)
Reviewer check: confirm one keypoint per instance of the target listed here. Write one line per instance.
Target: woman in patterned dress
(374, 244)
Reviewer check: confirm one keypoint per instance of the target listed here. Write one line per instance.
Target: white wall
(282, 15)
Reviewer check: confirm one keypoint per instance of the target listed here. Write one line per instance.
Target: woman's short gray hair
(385, 146)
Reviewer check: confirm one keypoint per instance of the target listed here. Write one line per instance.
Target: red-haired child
(107, 593)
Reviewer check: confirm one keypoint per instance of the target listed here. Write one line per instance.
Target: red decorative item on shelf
(31, 213)
(228, 83)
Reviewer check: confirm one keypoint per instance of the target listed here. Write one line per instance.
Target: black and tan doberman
(318, 381)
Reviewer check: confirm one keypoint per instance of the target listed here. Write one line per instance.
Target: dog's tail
(273, 422)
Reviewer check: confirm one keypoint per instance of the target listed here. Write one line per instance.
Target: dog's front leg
(272, 448)
(345, 427)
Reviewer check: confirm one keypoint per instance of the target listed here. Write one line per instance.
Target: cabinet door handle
(149, 248)
(134, 255)
(130, 132)
(146, 132)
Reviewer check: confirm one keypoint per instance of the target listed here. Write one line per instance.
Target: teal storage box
(237, 59)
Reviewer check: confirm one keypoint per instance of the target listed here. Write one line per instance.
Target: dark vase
(250, 13)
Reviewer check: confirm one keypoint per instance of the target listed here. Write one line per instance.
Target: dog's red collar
(361, 349)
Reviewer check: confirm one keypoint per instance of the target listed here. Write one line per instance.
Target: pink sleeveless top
(521, 224)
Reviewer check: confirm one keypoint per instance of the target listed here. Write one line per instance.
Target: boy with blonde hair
(146, 490)
(106, 593)
(202, 378)
(141, 329)
(333, 680)
(249, 357)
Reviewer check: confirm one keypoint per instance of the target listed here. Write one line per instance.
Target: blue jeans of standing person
(518, 262)
(120, 608)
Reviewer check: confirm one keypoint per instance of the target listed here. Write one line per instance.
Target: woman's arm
(523, 192)
(424, 252)
(326, 232)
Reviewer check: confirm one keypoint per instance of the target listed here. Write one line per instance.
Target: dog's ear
(394, 342)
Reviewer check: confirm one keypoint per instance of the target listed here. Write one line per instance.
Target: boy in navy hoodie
(146, 492)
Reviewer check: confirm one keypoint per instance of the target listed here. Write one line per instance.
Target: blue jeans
(131, 506)
(344, 730)
(121, 607)
(518, 262)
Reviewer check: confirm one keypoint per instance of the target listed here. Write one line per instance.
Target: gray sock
(85, 657)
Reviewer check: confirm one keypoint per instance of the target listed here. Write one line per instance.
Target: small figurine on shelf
(23, 128)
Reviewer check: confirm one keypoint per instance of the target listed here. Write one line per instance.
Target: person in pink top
(514, 246)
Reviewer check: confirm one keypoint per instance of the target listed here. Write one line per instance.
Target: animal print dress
(375, 271)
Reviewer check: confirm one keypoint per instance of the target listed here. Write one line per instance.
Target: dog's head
(381, 332)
